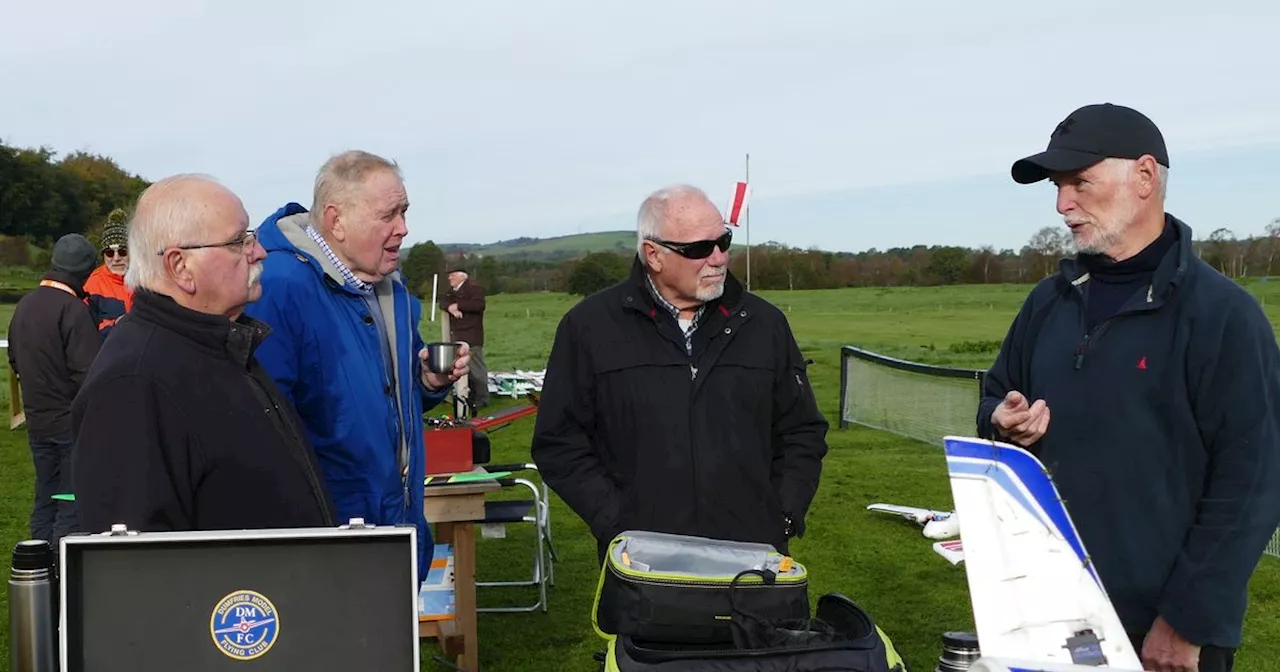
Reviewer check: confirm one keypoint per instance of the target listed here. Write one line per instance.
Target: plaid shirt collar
(350, 277)
(675, 312)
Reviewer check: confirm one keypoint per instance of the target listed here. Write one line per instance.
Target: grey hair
(161, 219)
(335, 179)
(1120, 171)
(653, 212)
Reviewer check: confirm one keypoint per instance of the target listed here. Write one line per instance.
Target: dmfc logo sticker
(244, 625)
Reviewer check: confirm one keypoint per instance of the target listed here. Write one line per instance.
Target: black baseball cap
(1089, 135)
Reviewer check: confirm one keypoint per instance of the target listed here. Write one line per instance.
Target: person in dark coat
(1149, 385)
(178, 427)
(464, 301)
(52, 343)
(677, 402)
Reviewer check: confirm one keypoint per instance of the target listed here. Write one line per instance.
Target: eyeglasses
(114, 251)
(698, 249)
(245, 238)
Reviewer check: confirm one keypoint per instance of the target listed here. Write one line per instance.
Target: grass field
(885, 565)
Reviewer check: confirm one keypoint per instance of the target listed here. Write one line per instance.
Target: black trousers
(52, 519)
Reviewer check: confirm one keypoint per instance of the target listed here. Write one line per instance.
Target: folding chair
(536, 511)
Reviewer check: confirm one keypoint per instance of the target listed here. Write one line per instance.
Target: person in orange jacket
(108, 297)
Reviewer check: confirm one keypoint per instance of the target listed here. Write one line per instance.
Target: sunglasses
(112, 252)
(698, 249)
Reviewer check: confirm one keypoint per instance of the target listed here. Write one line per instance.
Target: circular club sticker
(244, 625)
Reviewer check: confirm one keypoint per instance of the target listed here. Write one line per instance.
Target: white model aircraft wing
(1035, 595)
(913, 513)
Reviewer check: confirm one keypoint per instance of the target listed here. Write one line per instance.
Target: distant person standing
(464, 301)
(52, 343)
(108, 297)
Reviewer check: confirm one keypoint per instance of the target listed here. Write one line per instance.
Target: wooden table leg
(465, 575)
(462, 536)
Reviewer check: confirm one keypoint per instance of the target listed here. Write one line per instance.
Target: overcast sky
(869, 124)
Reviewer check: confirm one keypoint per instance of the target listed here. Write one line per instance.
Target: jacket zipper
(299, 451)
(1097, 331)
(389, 381)
(693, 445)
(408, 403)
(1084, 343)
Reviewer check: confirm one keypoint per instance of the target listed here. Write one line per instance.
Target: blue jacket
(325, 356)
(1164, 436)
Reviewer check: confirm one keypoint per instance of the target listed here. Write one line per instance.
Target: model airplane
(1038, 603)
(935, 524)
(515, 384)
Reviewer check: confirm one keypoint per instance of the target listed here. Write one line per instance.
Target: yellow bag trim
(891, 654)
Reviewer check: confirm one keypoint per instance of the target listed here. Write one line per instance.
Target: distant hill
(549, 249)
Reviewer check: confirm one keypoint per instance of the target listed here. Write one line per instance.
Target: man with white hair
(677, 402)
(346, 347)
(464, 300)
(177, 427)
(1163, 380)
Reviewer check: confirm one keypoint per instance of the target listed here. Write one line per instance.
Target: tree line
(43, 196)
(778, 266)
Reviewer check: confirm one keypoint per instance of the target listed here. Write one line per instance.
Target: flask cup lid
(32, 554)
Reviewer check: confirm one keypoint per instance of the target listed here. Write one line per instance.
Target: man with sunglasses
(178, 427)
(108, 297)
(677, 402)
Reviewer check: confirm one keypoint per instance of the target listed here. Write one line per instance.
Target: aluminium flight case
(340, 598)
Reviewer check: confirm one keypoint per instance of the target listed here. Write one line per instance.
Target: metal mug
(441, 356)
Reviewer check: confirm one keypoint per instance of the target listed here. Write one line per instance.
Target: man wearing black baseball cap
(1091, 134)
(1163, 377)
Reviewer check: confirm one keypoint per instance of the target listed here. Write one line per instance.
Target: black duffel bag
(841, 638)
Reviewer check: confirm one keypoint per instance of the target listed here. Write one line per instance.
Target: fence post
(844, 382)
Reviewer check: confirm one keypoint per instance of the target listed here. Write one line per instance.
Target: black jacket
(1164, 438)
(629, 438)
(52, 342)
(179, 428)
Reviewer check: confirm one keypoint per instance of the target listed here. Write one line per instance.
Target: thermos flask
(31, 645)
(959, 651)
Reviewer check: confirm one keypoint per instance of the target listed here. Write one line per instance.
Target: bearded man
(1163, 380)
(676, 401)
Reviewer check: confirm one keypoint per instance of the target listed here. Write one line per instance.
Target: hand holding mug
(444, 363)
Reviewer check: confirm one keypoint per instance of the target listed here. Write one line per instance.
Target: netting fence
(915, 400)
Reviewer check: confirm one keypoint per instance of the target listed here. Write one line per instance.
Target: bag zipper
(637, 577)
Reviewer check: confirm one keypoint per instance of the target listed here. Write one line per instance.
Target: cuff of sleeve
(605, 525)
(435, 395)
(985, 429)
(1187, 618)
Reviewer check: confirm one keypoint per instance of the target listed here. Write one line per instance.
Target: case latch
(120, 530)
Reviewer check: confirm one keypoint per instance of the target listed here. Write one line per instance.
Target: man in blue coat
(345, 345)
